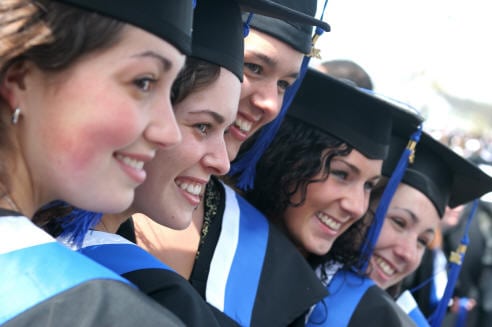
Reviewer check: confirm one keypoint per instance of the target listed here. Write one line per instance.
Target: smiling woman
(83, 93)
(331, 146)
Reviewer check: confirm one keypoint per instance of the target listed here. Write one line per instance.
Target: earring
(16, 115)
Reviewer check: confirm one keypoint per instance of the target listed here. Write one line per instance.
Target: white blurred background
(432, 54)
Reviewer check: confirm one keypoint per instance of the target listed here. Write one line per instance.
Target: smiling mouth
(243, 125)
(384, 266)
(133, 163)
(329, 222)
(192, 188)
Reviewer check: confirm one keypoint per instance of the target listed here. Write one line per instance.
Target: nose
(163, 130)
(216, 160)
(267, 99)
(355, 202)
(406, 249)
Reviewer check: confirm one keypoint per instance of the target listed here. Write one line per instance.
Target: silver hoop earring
(16, 115)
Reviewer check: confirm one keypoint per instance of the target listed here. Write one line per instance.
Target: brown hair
(52, 36)
(195, 75)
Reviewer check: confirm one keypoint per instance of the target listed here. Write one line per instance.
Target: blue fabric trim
(418, 318)
(34, 274)
(123, 258)
(346, 289)
(247, 265)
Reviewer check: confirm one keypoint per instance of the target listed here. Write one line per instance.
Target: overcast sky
(413, 48)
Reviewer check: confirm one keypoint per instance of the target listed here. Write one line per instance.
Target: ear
(13, 84)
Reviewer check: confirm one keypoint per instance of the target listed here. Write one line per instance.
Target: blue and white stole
(345, 289)
(408, 304)
(117, 253)
(237, 262)
(34, 267)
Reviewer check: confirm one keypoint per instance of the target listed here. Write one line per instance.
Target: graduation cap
(167, 19)
(442, 175)
(360, 119)
(292, 24)
(218, 34)
(218, 30)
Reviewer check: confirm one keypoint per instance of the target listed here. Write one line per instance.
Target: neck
(111, 222)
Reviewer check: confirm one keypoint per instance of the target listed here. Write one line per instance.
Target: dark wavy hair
(297, 156)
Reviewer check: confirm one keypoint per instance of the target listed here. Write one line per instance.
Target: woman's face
(177, 177)
(333, 205)
(86, 132)
(270, 66)
(408, 228)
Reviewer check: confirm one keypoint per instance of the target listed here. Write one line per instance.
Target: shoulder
(377, 308)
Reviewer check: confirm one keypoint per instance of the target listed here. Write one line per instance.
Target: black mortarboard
(445, 177)
(218, 34)
(360, 119)
(168, 19)
(292, 25)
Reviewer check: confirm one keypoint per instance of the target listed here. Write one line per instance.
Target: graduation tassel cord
(390, 189)
(455, 259)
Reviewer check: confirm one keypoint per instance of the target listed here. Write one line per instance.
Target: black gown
(152, 277)
(269, 283)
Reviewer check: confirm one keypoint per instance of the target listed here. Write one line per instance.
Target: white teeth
(195, 189)
(137, 164)
(385, 267)
(328, 221)
(243, 125)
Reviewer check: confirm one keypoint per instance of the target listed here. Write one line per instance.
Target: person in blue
(84, 103)
(247, 280)
(331, 144)
(205, 98)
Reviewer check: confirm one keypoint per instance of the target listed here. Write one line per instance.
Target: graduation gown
(249, 270)
(357, 301)
(152, 277)
(42, 283)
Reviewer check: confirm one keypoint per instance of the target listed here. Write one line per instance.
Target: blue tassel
(456, 259)
(245, 166)
(77, 223)
(194, 4)
(246, 25)
(390, 189)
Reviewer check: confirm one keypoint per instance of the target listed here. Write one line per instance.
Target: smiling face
(86, 131)
(177, 177)
(333, 205)
(408, 228)
(270, 66)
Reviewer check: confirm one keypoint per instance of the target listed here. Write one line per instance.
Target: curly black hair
(295, 159)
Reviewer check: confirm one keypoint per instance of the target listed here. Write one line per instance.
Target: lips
(329, 222)
(242, 127)
(191, 189)
(384, 266)
(133, 165)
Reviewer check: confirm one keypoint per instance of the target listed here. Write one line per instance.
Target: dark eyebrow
(415, 219)
(166, 64)
(356, 169)
(269, 61)
(218, 118)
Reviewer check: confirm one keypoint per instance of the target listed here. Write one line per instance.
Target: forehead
(262, 43)
(412, 200)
